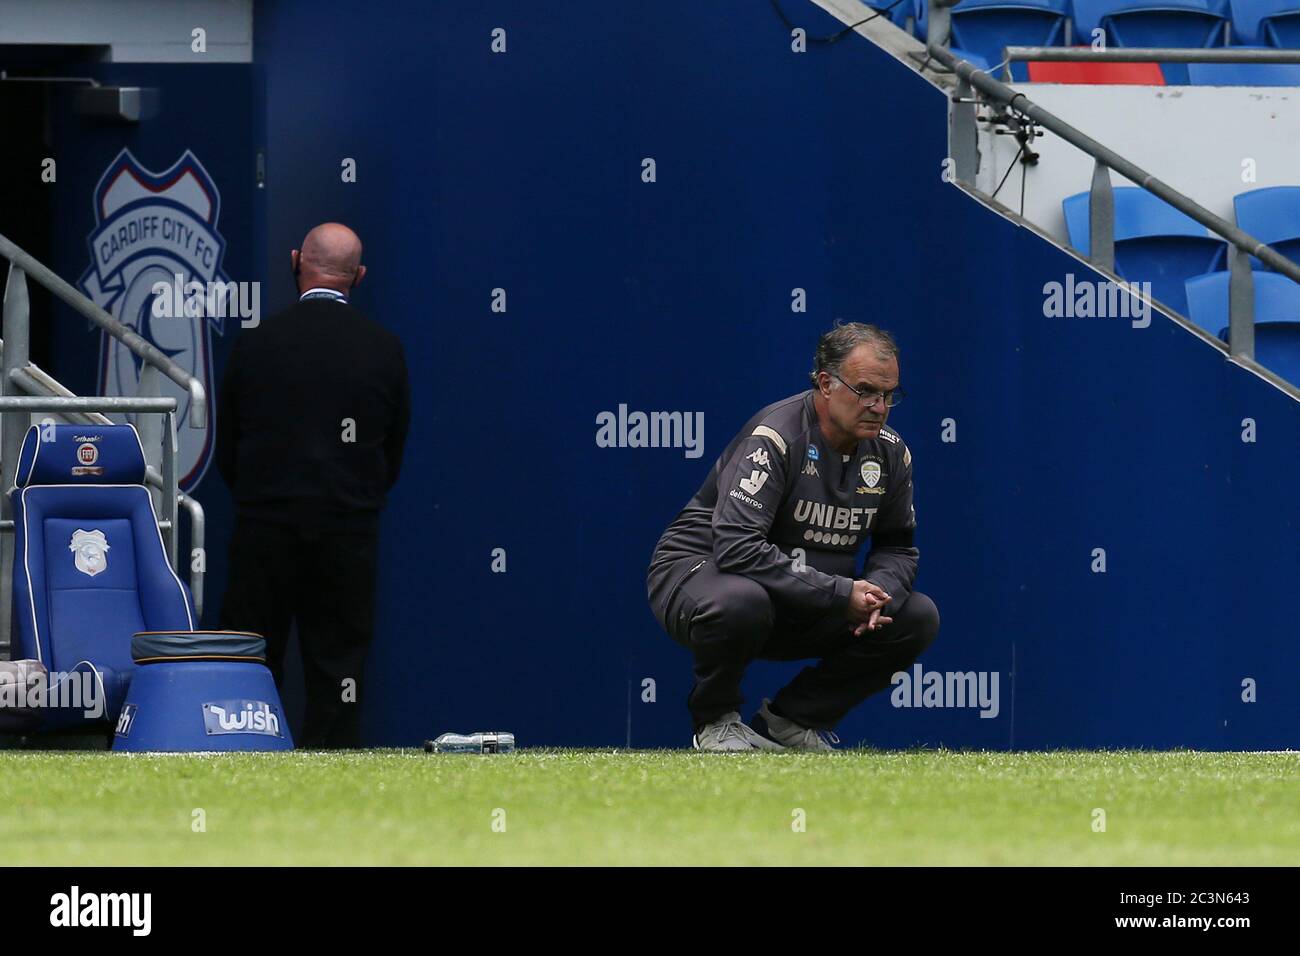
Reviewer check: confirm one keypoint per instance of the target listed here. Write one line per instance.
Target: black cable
(1007, 175)
(835, 36)
(1023, 173)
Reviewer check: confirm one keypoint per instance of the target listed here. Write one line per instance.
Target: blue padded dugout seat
(1154, 242)
(90, 570)
(1272, 215)
(1274, 23)
(1277, 317)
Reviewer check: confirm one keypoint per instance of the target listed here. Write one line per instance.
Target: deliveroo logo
(158, 227)
(241, 717)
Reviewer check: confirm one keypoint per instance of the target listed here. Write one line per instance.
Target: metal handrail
(1241, 332)
(124, 334)
(1084, 54)
(80, 403)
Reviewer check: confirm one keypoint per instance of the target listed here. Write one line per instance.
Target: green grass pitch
(650, 807)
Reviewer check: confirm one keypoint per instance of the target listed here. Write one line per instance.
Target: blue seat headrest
(81, 455)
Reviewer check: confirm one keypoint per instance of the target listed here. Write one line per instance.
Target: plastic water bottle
(479, 742)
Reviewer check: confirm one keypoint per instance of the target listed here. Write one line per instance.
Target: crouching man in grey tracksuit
(761, 563)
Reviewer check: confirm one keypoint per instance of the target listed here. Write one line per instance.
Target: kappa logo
(754, 482)
(90, 551)
(149, 228)
(810, 468)
(759, 457)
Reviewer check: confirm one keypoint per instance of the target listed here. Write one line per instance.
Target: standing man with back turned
(311, 423)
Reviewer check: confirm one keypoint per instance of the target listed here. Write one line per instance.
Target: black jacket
(785, 509)
(292, 385)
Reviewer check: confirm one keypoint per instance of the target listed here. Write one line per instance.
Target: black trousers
(326, 583)
(728, 621)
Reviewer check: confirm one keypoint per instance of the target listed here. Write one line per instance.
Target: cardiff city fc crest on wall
(156, 241)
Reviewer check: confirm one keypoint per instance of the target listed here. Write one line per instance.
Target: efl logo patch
(150, 227)
(241, 717)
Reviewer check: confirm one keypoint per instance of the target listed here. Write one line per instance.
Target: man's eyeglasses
(867, 399)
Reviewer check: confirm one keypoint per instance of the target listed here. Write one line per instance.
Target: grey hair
(835, 346)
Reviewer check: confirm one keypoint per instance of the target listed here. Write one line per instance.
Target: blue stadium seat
(1271, 215)
(1153, 23)
(985, 27)
(1244, 74)
(902, 9)
(974, 59)
(1154, 242)
(89, 570)
(1274, 23)
(919, 11)
(1277, 317)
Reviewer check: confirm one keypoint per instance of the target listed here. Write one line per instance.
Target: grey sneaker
(793, 736)
(729, 734)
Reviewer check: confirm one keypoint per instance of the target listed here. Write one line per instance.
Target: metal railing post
(169, 490)
(13, 427)
(963, 135)
(939, 21)
(1101, 219)
(198, 542)
(150, 428)
(1241, 304)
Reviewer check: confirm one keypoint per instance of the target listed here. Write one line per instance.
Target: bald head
(330, 258)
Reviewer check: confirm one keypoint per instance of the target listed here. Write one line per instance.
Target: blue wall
(775, 170)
